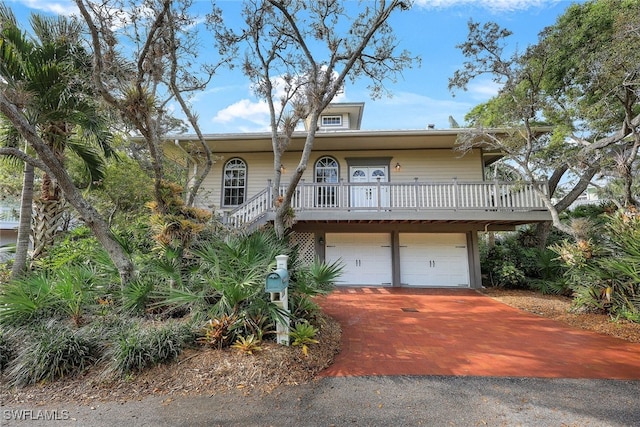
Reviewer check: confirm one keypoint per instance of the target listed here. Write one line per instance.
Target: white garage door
(366, 257)
(433, 259)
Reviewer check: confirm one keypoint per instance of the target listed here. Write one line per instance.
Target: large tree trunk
(24, 227)
(543, 230)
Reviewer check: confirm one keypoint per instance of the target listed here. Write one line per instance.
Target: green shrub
(67, 291)
(50, 351)
(77, 247)
(26, 298)
(136, 295)
(605, 276)
(514, 263)
(139, 347)
(509, 275)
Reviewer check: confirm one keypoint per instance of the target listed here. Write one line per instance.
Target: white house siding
(429, 165)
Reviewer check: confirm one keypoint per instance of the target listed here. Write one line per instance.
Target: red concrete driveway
(462, 332)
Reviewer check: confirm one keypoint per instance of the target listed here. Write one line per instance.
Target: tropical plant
(48, 103)
(317, 278)
(136, 295)
(26, 298)
(74, 289)
(48, 74)
(229, 279)
(70, 291)
(218, 332)
(605, 276)
(247, 345)
(175, 224)
(303, 335)
(226, 278)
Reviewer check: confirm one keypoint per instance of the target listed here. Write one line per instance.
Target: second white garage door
(366, 257)
(434, 260)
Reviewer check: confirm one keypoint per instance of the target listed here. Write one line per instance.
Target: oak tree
(570, 103)
(300, 55)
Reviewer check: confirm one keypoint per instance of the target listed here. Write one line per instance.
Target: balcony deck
(497, 201)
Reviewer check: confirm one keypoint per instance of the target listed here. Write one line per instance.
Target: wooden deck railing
(382, 196)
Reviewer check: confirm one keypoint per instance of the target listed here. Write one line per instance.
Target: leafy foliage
(514, 262)
(247, 345)
(76, 247)
(605, 275)
(175, 225)
(304, 334)
(26, 298)
(68, 291)
(579, 80)
(123, 192)
(218, 332)
(226, 286)
(216, 289)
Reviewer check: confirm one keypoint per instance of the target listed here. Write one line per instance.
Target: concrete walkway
(462, 332)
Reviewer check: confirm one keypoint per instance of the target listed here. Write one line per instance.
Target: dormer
(340, 116)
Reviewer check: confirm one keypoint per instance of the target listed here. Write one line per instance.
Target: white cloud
(245, 109)
(256, 111)
(483, 89)
(60, 7)
(492, 5)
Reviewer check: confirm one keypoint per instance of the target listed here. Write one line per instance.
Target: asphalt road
(367, 401)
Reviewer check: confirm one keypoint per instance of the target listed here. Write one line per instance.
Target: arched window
(326, 172)
(234, 185)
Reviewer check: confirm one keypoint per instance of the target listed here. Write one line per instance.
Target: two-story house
(398, 207)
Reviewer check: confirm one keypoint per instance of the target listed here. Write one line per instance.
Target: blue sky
(431, 30)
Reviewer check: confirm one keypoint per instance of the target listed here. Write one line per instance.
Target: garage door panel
(433, 259)
(366, 257)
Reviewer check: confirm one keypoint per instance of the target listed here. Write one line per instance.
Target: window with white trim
(326, 171)
(234, 182)
(331, 120)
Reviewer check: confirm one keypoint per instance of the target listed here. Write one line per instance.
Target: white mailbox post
(277, 284)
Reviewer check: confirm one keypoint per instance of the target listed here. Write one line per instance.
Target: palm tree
(47, 77)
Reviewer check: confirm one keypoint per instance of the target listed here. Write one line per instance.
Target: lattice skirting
(306, 242)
